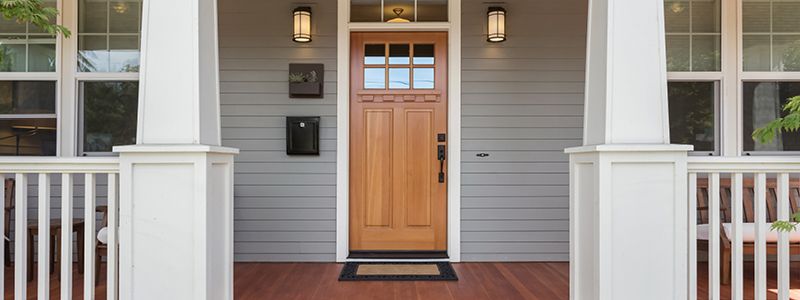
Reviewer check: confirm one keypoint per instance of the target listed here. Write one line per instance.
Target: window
(770, 48)
(692, 111)
(762, 103)
(108, 43)
(26, 48)
(694, 63)
(398, 11)
(108, 115)
(108, 35)
(28, 118)
(410, 66)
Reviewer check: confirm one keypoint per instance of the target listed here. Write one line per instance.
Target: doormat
(397, 271)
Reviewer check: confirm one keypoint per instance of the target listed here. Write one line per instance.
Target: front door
(398, 140)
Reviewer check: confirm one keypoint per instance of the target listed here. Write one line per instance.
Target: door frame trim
(344, 28)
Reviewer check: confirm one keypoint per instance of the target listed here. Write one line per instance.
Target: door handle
(441, 155)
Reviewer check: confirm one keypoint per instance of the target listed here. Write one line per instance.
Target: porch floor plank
(489, 281)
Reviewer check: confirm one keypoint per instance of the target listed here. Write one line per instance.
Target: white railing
(756, 171)
(69, 169)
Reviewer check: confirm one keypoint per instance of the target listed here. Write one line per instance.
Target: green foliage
(787, 226)
(32, 11)
(297, 77)
(789, 123)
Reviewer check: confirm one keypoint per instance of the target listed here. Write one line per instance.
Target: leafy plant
(34, 12)
(312, 77)
(766, 134)
(297, 77)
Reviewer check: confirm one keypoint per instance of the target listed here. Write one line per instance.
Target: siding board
(522, 102)
(285, 206)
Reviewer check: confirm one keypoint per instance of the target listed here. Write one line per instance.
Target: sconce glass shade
(497, 25)
(302, 25)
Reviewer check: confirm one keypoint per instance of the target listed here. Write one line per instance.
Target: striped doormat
(397, 271)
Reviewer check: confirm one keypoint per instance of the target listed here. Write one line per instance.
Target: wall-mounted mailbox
(302, 135)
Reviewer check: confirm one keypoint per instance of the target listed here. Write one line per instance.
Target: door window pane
(431, 10)
(109, 114)
(771, 38)
(399, 78)
(374, 78)
(399, 54)
(423, 78)
(762, 103)
(691, 114)
(423, 54)
(108, 35)
(693, 35)
(375, 54)
(365, 11)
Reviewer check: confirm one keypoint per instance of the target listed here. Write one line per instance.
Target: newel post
(176, 183)
(628, 198)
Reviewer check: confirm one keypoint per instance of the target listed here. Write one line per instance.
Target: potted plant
(304, 84)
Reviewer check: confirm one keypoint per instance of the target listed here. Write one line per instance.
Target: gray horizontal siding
(285, 207)
(522, 103)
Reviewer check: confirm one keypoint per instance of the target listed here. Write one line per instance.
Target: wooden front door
(398, 140)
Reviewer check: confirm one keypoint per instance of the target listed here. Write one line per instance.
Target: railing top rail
(745, 164)
(16, 164)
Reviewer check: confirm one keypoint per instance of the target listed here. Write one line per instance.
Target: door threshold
(398, 255)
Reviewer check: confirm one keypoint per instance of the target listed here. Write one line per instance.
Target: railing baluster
(21, 237)
(692, 263)
(737, 248)
(66, 236)
(783, 237)
(111, 259)
(713, 238)
(44, 237)
(760, 256)
(90, 236)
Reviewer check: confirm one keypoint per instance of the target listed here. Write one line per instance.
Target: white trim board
(453, 27)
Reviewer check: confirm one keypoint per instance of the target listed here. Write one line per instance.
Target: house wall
(522, 104)
(284, 206)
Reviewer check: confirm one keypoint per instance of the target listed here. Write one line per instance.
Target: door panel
(398, 107)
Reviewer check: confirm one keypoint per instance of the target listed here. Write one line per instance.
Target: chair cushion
(748, 233)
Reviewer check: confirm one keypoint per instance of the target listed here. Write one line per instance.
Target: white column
(628, 196)
(176, 183)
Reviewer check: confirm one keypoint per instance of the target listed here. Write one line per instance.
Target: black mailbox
(302, 135)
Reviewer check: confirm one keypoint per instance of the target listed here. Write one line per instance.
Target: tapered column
(628, 209)
(176, 183)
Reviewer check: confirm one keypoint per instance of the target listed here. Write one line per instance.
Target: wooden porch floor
(546, 281)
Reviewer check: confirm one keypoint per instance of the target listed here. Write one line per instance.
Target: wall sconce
(302, 24)
(497, 25)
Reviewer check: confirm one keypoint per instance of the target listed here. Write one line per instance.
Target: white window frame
(75, 77)
(43, 76)
(742, 77)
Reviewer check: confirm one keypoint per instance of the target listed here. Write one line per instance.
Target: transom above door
(398, 140)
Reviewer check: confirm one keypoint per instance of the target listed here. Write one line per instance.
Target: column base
(628, 222)
(176, 222)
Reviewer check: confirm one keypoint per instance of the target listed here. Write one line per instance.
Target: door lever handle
(441, 155)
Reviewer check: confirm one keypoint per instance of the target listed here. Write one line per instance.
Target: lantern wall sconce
(302, 24)
(497, 25)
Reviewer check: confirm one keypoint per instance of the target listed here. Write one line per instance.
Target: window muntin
(694, 34)
(692, 115)
(763, 102)
(25, 47)
(108, 116)
(28, 118)
(771, 35)
(109, 35)
(398, 11)
(409, 66)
